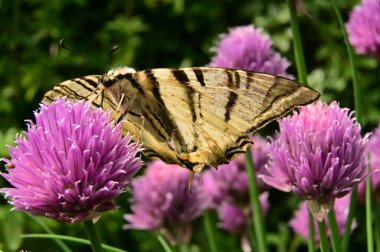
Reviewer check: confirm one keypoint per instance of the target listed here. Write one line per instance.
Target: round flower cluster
(246, 48)
(318, 154)
(161, 201)
(228, 188)
(363, 28)
(71, 163)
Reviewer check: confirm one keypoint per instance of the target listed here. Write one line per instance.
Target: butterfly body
(194, 117)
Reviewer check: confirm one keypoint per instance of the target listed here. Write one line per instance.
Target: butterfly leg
(141, 129)
(190, 182)
(120, 102)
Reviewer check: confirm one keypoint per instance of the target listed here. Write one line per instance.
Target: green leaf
(11, 223)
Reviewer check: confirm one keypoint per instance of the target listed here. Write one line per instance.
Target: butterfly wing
(194, 117)
(155, 141)
(211, 110)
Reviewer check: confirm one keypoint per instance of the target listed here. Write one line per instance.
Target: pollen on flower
(71, 163)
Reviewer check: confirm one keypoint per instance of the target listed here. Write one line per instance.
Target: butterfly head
(113, 75)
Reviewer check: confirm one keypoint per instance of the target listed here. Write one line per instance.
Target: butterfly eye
(107, 82)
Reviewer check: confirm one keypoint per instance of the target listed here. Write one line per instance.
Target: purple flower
(373, 149)
(246, 48)
(234, 218)
(300, 221)
(363, 28)
(230, 181)
(70, 164)
(318, 154)
(161, 201)
(228, 188)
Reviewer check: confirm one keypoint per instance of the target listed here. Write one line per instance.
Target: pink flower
(363, 28)
(373, 149)
(229, 182)
(71, 164)
(300, 220)
(161, 201)
(245, 47)
(318, 154)
(235, 218)
(228, 188)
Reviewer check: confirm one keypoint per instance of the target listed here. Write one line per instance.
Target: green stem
(70, 239)
(93, 236)
(337, 246)
(302, 77)
(311, 241)
(60, 243)
(251, 235)
(377, 222)
(350, 217)
(295, 243)
(323, 236)
(210, 231)
(351, 56)
(257, 216)
(368, 209)
(163, 243)
(358, 111)
(297, 44)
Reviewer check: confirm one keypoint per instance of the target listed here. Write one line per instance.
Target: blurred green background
(152, 34)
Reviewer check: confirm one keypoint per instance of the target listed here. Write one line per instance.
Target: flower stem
(323, 236)
(358, 113)
(163, 243)
(257, 216)
(93, 236)
(368, 210)
(302, 77)
(337, 247)
(69, 239)
(351, 56)
(251, 236)
(60, 243)
(350, 217)
(311, 241)
(377, 222)
(209, 231)
(297, 44)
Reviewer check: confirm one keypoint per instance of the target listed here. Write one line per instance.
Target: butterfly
(194, 117)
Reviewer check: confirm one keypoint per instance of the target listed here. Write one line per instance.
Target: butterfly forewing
(193, 117)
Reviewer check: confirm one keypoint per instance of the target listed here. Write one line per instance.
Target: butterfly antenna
(62, 45)
(113, 49)
(110, 53)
